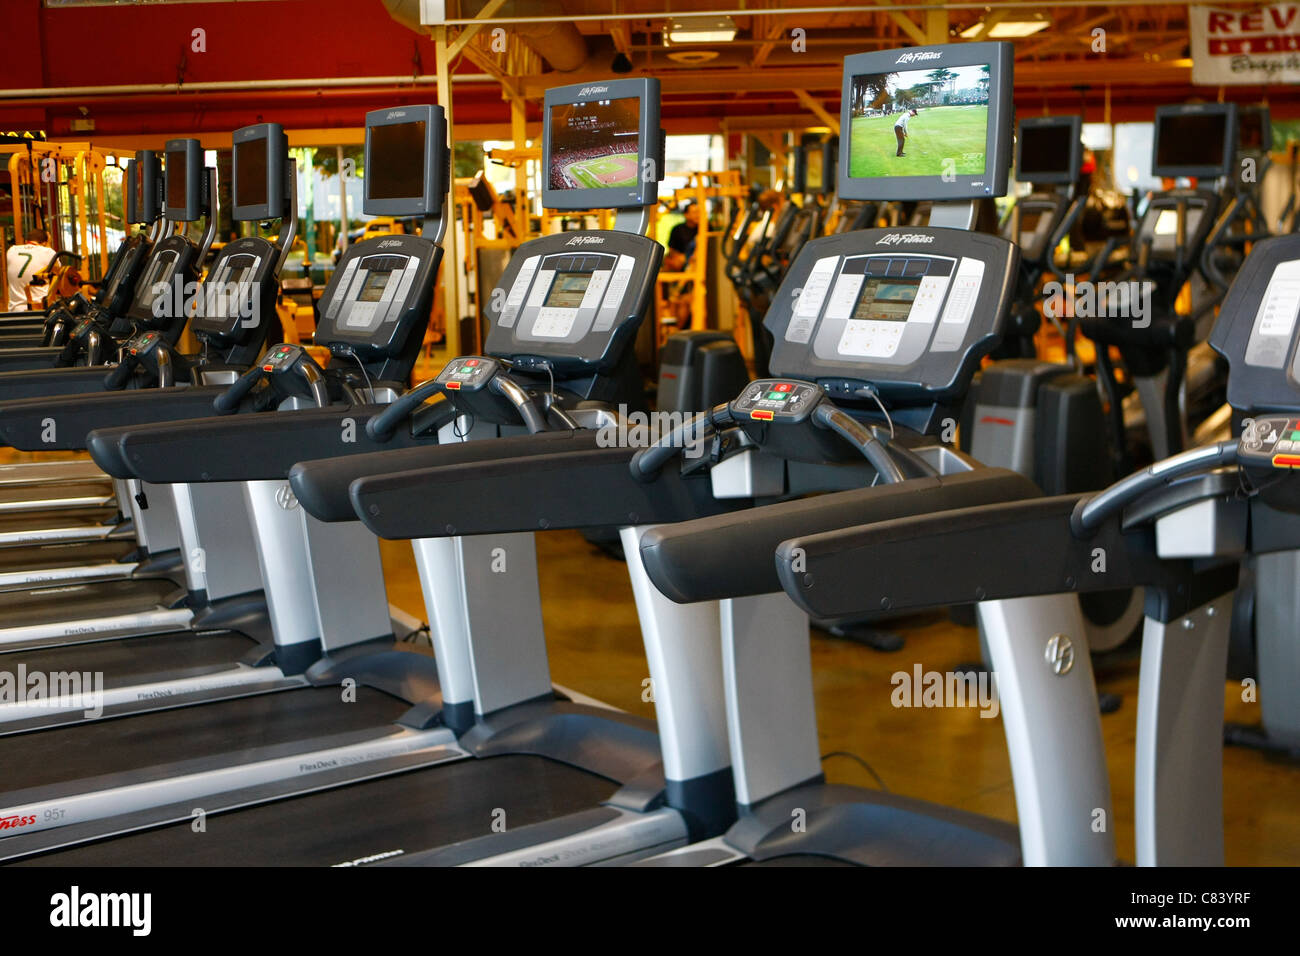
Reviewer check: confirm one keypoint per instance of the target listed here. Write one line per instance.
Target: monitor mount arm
(434, 228)
(210, 211)
(954, 215)
(633, 219)
(289, 223)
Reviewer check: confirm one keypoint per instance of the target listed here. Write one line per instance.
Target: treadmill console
(470, 373)
(1258, 332)
(144, 343)
(777, 400)
(1272, 442)
(377, 302)
(1258, 329)
(281, 358)
(120, 283)
(569, 302)
(236, 302)
(908, 312)
(172, 267)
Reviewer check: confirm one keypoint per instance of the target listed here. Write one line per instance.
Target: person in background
(23, 262)
(681, 240)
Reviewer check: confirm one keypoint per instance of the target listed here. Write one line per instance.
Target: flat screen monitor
(1049, 150)
(1194, 140)
(184, 180)
(926, 123)
(406, 171)
(602, 147)
(259, 187)
(143, 199)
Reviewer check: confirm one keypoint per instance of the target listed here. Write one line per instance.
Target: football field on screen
(936, 134)
(604, 172)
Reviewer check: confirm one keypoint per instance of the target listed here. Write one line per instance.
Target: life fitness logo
(914, 57)
(894, 238)
(592, 90)
(388, 243)
(14, 822)
(395, 114)
(585, 240)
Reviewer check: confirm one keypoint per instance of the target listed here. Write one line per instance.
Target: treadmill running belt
(74, 517)
(27, 494)
(77, 602)
(123, 659)
(223, 727)
(38, 557)
(417, 810)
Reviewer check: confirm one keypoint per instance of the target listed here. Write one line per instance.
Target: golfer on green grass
(900, 130)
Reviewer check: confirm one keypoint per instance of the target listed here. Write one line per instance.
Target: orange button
(761, 415)
(453, 385)
(1286, 461)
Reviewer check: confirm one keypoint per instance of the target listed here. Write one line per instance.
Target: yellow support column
(451, 242)
(519, 133)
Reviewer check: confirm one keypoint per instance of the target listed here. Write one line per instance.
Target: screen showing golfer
(594, 145)
(920, 122)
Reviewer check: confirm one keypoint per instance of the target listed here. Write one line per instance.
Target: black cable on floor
(866, 766)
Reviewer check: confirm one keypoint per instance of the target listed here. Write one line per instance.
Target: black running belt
(27, 494)
(158, 737)
(125, 660)
(90, 518)
(84, 602)
(406, 812)
(70, 555)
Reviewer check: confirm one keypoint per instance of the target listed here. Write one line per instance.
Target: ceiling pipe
(222, 85)
(793, 11)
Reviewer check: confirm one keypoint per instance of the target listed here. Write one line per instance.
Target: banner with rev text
(1245, 47)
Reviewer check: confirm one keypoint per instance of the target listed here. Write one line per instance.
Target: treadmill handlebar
(523, 403)
(382, 427)
(121, 373)
(1093, 511)
(647, 463)
(861, 438)
(228, 401)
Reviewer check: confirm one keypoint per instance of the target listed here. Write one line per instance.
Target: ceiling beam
(819, 111)
(467, 34)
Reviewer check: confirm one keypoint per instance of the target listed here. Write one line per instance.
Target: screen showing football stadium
(594, 145)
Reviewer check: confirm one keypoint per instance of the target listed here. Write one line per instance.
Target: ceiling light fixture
(1021, 25)
(699, 30)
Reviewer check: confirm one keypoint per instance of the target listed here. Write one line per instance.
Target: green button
(1295, 436)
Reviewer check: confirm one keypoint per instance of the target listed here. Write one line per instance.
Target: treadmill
(567, 322)
(366, 707)
(194, 564)
(1178, 529)
(172, 267)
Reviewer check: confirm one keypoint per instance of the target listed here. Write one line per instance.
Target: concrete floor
(947, 755)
